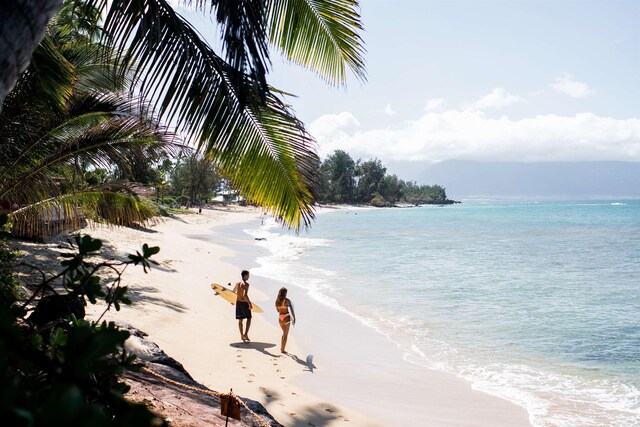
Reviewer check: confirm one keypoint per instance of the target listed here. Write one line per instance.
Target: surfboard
(230, 296)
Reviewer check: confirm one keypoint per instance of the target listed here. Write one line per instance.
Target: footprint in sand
(281, 378)
(264, 390)
(278, 370)
(328, 408)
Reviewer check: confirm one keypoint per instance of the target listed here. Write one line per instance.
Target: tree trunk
(22, 26)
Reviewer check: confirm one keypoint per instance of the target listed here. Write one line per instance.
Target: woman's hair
(282, 294)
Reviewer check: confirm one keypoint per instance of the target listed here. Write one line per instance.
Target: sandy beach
(337, 371)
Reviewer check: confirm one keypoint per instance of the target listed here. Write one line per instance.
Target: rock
(183, 406)
(56, 307)
(148, 350)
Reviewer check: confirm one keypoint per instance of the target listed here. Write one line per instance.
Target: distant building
(228, 196)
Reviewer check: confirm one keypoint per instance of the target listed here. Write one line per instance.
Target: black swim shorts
(242, 310)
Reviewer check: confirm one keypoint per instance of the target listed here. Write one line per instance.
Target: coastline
(316, 384)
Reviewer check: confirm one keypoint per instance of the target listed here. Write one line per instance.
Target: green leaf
(87, 245)
(149, 251)
(58, 338)
(322, 35)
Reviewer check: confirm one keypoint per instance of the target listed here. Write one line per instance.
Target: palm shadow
(317, 415)
(147, 295)
(259, 346)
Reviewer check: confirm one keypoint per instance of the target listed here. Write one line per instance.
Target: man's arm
(246, 295)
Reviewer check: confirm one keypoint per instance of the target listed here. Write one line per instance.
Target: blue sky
(482, 80)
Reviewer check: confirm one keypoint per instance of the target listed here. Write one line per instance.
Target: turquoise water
(536, 302)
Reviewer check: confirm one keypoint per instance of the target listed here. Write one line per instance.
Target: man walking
(243, 305)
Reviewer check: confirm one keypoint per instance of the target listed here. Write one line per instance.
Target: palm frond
(243, 30)
(322, 35)
(56, 74)
(258, 143)
(273, 165)
(102, 131)
(47, 218)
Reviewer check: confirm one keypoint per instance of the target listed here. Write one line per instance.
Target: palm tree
(224, 106)
(68, 113)
(22, 26)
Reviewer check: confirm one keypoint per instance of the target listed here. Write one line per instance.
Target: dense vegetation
(344, 180)
(55, 367)
(158, 68)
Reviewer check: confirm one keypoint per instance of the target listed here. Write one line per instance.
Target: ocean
(535, 302)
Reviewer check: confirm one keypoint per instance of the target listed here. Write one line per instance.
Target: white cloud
(497, 98)
(388, 110)
(334, 126)
(434, 104)
(472, 135)
(569, 86)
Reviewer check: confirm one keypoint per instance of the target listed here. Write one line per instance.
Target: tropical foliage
(222, 103)
(55, 367)
(68, 117)
(194, 179)
(344, 180)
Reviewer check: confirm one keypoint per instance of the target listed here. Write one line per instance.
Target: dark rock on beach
(176, 404)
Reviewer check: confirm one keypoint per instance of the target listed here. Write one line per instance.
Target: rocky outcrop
(178, 405)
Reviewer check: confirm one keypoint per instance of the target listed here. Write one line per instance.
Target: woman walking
(286, 319)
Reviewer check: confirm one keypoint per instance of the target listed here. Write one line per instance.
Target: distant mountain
(466, 179)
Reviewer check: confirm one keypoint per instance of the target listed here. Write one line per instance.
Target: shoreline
(315, 384)
(179, 311)
(374, 376)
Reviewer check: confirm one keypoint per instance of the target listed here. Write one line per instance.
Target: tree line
(345, 180)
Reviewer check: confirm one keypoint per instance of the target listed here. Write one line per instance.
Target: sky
(481, 80)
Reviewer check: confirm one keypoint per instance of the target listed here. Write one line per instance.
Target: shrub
(55, 367)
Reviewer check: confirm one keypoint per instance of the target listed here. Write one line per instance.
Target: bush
(55, 367)
(378, 201)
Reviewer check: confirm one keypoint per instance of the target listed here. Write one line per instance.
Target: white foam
(551, 398)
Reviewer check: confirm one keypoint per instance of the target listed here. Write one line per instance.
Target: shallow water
(535, 302)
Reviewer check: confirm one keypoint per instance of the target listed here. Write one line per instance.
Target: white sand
(354, 377)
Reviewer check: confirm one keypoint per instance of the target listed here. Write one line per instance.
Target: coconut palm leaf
(261, 145)
(243, 31)
(54, 72)
(321, 35)
(52, 216)
(102, 131)
(225, 107)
